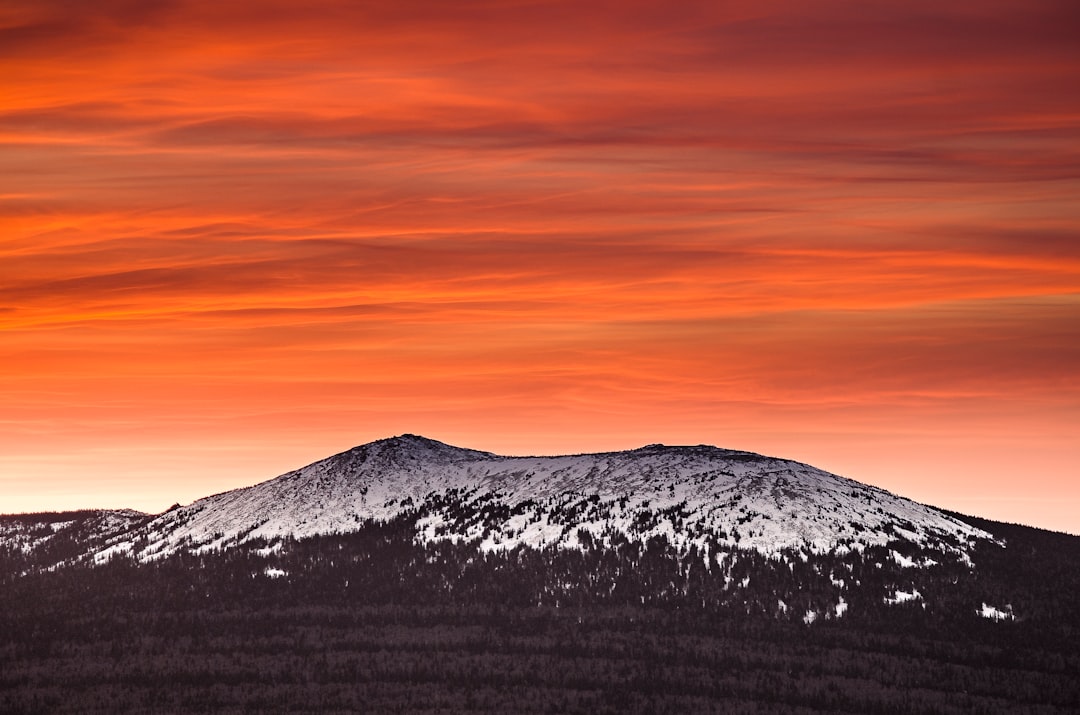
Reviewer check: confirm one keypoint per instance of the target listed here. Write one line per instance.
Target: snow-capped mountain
(699, 496)
(414, 552)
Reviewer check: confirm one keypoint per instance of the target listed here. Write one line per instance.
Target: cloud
(860, 216)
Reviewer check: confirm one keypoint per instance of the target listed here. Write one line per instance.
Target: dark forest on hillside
(376, 622)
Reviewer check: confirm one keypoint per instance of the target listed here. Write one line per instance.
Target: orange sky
(238, 237)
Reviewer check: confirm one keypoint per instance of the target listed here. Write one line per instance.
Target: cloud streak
(540, 226)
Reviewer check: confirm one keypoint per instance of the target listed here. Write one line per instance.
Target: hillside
(407, 575)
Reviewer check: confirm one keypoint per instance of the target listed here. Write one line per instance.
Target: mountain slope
(698, 496)
(47, 539)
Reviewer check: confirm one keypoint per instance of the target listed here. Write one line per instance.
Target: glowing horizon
(238, 238)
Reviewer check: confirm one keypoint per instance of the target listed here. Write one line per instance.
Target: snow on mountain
(57, 537)
(697, 495)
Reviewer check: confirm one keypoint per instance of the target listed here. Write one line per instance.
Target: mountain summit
(692, 496)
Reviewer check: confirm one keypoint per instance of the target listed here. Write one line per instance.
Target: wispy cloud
(533, 217)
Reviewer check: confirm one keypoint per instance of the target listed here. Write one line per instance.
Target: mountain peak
(698, 496)
(410, 438)
(415, 447)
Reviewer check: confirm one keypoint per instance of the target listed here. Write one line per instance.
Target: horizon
(236, 237)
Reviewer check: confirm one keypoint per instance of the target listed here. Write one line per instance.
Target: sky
(236, 238)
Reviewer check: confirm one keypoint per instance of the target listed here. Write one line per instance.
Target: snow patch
(111, 552)
(997, 614)
(270, 550)
(904, 597)
(903, 561)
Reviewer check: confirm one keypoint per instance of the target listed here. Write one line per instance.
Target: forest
(377, 621)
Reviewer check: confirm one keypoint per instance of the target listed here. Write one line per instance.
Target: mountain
(407, 575)
(699, 496)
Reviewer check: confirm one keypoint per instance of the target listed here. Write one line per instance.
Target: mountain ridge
(407, 562)
(692, 495)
